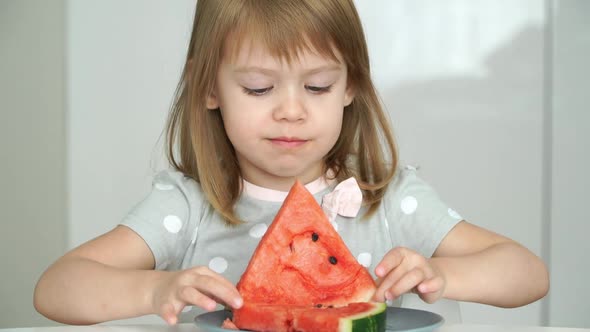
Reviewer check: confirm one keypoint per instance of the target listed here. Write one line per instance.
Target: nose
(290, 107)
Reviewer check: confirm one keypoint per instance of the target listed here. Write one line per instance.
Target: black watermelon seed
(330, 306)
(333, 260)
(314, 237)
(319, 305)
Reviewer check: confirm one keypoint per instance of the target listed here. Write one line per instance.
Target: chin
(295, 173)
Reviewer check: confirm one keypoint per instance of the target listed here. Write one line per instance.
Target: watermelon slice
(302, 277)
(361, 317)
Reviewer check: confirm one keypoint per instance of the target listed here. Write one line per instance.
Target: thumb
(168, 313)
(431, 285)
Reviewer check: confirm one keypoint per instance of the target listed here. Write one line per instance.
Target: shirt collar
(271, 195)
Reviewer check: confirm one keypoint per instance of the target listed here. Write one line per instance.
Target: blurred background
(488, 98)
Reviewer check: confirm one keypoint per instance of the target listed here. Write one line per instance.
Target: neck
(281, 183)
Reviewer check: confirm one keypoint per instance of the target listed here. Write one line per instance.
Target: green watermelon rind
(373, 320)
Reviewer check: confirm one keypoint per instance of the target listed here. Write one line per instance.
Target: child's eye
(318, 89)
(257, 92)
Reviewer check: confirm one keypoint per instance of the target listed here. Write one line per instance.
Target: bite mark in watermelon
(302, 277)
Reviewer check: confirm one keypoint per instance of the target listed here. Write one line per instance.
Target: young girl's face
(282, 118)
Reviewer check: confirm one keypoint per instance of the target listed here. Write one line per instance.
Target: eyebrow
(269, 72)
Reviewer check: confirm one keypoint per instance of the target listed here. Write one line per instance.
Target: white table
(192, 328)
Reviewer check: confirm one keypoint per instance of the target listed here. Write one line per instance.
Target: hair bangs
(285, 29)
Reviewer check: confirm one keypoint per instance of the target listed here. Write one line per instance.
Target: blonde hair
(197, 144)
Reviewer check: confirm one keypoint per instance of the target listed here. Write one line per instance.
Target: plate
(398, 319)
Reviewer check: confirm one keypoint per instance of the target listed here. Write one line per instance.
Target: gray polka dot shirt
(183, 230)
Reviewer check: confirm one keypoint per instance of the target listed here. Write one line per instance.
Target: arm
(112, 277)
(94, 274)
(470, 264)
(481, 266)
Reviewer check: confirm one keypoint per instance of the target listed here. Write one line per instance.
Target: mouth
(288, 142)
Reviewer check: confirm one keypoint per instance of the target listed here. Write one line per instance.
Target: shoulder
(172, 193)
(409, 192)
(406, 179)
(420, 219)
(166, 217)
(175, 182)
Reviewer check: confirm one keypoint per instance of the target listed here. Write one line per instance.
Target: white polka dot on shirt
(258, 230)
(364, 259)
(409, 204)
(454, 214)
(172, 223)
(218, 264)
(163, 186)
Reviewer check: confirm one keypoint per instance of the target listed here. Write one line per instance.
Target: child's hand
(403, 270)
(197, 286)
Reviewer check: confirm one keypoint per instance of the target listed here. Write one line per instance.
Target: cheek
(233, 124)
(244, 112)
(336, 127)
(240, 126)
(330, 126)
(332, 115)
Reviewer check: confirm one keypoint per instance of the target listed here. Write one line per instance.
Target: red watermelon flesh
(288, 318)
(300, 263)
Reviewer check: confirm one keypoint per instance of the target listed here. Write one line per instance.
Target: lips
(288, 142)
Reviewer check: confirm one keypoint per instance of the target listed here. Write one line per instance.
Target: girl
(274, 91)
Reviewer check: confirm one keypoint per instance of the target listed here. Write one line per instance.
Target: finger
(405, 260)
(432, 285)
(192, 296)
(203, 270)
(407, 282)
(390, 261)
(168, 313)
(224, 294)
(390, 279)
(217, 287)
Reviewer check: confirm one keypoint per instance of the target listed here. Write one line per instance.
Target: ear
(349, 95)
(212, 101)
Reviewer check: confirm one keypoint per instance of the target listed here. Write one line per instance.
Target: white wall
(463, 82)
(124, 60)
(570, 162)
(32, 152)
